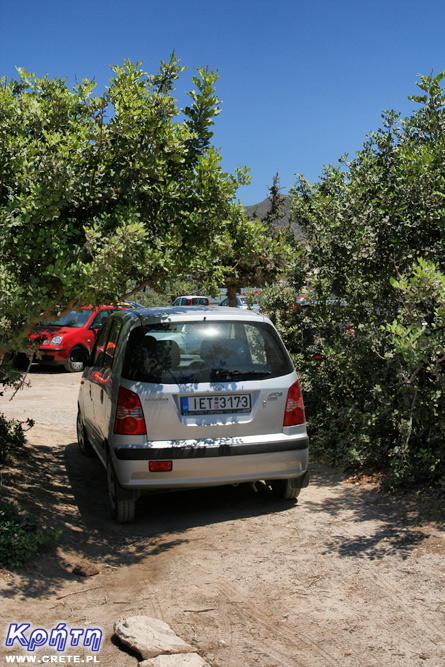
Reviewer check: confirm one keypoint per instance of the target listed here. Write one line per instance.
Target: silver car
(241, 302)
(189, 397)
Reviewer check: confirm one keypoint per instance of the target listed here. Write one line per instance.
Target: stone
(86, 569)
(150, 637)
(177, 660)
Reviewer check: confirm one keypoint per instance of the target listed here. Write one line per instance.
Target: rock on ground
(150, 637)
(177, 660)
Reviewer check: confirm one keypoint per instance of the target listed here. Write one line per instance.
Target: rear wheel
(82, 438)
(76, 361)
(122, 505)
(284, 489)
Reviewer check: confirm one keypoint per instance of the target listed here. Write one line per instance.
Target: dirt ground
(348, 576)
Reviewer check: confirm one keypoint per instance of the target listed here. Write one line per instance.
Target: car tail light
(129, 415)
(294, 412)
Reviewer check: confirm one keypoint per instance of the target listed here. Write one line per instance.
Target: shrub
(374, 388)
(374, 245)
(21, 535)
(12, 435)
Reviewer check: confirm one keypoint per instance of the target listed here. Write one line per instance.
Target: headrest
(167, 354)
(222, 351)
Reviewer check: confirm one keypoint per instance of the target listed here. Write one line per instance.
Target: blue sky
(301, 83)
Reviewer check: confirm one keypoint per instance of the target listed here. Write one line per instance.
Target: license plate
(210, 405)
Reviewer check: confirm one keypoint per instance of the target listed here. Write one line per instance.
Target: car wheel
(283, 489)
(82, 438)
(122, 508)
(76, 361)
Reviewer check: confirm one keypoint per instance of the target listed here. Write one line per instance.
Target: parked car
(241, 302)
(301, 301)
(69, 340)
(200, 397)
(192, 300)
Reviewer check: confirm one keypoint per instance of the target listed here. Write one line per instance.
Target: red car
(68, 341)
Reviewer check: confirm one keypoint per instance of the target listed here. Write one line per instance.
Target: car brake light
(129, 415)
(294, 412)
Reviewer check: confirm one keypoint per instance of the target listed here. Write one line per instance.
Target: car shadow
(165, 512)
(47, 369)
(68, 491)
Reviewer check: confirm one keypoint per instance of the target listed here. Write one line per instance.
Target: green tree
(253, 251)
(120, 189)
(370, 223)
(249, 254)
(277, 207)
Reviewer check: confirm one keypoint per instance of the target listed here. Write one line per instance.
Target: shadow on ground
(371, 524)
(69, 491)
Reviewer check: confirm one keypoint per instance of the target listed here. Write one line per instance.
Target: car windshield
(204, 351)
(76, 319)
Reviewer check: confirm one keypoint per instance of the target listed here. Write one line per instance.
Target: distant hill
(260, 210)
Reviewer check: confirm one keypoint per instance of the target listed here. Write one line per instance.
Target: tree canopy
(102, 195)
(374, 257)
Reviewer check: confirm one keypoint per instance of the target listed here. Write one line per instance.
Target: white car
(190, 398)
(241, 302)
(191, 300)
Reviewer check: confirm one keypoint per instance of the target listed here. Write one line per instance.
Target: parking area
(347, 576)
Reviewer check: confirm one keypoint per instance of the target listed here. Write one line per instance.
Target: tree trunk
(231, 294)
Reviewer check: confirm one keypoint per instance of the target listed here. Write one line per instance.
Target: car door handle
(101, 395)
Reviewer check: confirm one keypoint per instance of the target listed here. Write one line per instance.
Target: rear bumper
(206, 463)
(196, 449)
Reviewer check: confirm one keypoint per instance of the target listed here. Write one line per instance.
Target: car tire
(76, 361)
(284, 489)
(122, 507)
(82, 437)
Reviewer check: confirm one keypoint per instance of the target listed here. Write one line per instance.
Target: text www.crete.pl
(51, 659)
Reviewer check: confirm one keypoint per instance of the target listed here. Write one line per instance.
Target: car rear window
(204, 351)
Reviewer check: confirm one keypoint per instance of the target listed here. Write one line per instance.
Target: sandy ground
(348, 576)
